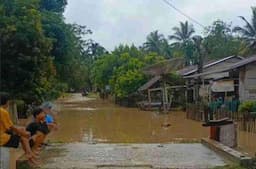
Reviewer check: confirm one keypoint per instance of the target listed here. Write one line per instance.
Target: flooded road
(88, 127)
(101, 121)
(82, 119)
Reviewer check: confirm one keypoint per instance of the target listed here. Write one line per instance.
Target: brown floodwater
(96, 121)
(247, 142)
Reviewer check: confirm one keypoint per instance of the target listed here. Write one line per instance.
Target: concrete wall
(247, 82)
(7, 158)
(228, 135)
(7, 155)
(4, 158)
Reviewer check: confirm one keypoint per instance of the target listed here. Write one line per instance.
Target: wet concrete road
(81, 155)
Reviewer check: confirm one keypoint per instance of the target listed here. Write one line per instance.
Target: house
(157, 89)
(239, 76)
(219, 82)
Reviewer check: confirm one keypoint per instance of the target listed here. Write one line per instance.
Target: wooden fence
(246, 121)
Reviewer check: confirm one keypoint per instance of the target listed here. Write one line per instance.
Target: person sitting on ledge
(38, 129)
(50, 117)
(10, 135)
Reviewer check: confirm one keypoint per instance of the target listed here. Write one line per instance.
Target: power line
(184, 14)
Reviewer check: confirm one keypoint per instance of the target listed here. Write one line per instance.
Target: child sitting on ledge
(38, 129)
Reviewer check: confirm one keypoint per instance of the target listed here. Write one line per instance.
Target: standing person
(10, 135)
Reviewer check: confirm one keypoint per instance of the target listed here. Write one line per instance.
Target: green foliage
(248, 32)
(247, 106)
(220, 42)
(25, 58)
(53, 5)
(122, 70)
(41, 55)
(20, 106)
(126, 83)
(69, 50)
(158, 44)
(183, 43)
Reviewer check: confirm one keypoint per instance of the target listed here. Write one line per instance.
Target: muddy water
(247, 142)
(102, 121)
(93, 120)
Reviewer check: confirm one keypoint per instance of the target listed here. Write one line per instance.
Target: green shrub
(247, 106)
(21, 108)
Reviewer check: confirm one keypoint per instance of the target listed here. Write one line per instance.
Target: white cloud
(130, 21)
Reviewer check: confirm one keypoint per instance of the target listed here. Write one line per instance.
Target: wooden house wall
(247, 82)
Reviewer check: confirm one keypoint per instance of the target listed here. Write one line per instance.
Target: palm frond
(254, 17)
(175, 37)
(248, 26)
(242, 31)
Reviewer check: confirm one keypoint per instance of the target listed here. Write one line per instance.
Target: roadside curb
(227, 152)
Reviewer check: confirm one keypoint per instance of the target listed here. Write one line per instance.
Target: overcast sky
(130, 21)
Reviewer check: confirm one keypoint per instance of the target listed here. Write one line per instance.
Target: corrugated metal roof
(244, 62)
(192, 69)
(227, 68)
(149, 83)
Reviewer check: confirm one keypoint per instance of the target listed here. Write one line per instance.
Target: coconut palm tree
(183, 40)
(182, 34)
(154, 42)
(248, 32)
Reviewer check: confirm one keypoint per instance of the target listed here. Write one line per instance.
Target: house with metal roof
(239, 77)
(191, 75)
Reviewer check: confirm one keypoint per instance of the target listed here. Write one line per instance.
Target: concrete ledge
(227, 152)
(141, 166)
(7, 158)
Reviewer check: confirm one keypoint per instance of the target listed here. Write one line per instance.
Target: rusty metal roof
(164, 67)
(149, 83)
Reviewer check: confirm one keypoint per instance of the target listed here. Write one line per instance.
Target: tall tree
(154, 41)
(69, 48)
(182, 38)
(248, 32)
(182, 34)
(27, 70)
(220, 41)
(53, 5)
(157, 43)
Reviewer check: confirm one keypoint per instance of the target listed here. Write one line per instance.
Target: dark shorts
(44, 129)
(13, 141)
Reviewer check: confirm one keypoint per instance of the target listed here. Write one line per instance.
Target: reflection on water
(109, 123)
